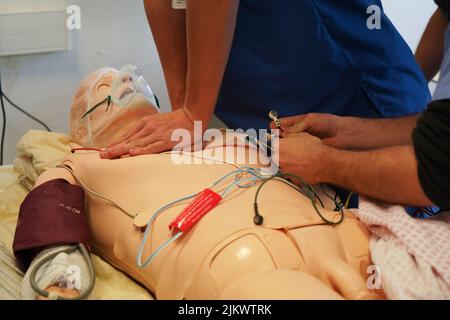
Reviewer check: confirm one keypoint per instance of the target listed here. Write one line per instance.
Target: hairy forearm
(430, 51)
(388, 175)
(369, 134)
(210, 31)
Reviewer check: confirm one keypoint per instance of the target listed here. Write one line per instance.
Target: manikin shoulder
(57, 173)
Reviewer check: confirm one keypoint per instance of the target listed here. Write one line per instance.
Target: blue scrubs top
(301, 56)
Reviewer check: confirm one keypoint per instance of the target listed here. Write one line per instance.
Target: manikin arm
(51, 266)
(53, 174)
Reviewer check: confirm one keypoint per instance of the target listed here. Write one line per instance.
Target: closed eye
(103, 85)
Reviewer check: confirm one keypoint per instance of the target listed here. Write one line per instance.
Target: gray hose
(72, 249)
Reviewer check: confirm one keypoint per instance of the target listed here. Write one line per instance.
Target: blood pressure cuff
(51, 215)
(432, 146)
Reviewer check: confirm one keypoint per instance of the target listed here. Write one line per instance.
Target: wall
(410, 17)
(114, 33)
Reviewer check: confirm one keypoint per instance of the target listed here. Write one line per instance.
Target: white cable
(67, 168)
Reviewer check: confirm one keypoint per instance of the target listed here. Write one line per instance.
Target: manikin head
(107, 105)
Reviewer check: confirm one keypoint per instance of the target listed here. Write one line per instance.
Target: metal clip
(273, 115)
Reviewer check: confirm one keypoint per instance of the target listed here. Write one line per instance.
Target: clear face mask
(125, 93)
(129, 87)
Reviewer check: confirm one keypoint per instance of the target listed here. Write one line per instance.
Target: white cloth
(55, 272)
(10, 276)
(412, 254)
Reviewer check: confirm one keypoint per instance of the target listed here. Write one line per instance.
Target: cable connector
(258, 219)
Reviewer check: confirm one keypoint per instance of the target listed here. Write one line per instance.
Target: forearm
(389, 175)
(210, 31)
(430, 51)
(169, 32)
(369, 134)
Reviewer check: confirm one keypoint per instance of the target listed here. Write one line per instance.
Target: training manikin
(294, 254)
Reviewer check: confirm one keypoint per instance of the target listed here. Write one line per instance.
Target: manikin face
(107, 121)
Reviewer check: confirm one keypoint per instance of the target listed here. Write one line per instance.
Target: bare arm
(430, 51)
(388, 174)
(169, 32)
(352, 133)
(368, 134)
(193, 46)
(210, 31)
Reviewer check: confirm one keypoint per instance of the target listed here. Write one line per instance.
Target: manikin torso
(293, 255)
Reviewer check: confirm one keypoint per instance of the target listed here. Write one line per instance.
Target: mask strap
(107, 99)
(157, 101)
